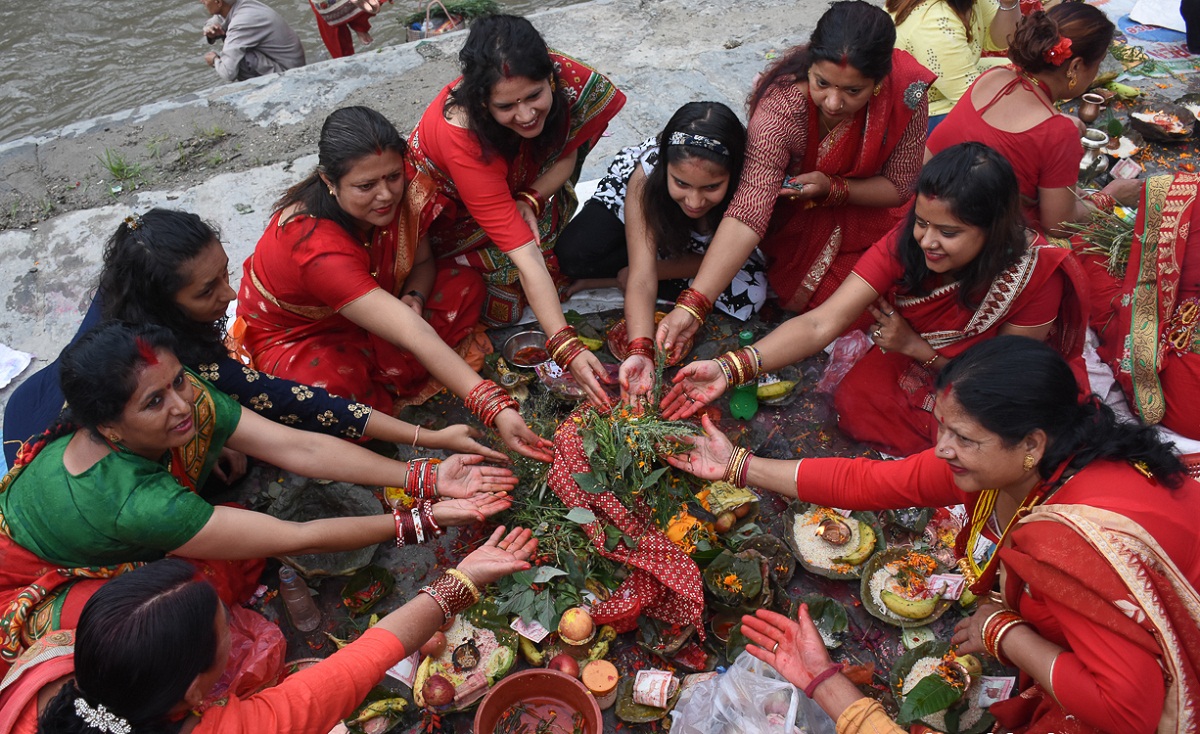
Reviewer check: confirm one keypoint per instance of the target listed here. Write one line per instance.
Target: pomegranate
(438, 691)
(564, 663)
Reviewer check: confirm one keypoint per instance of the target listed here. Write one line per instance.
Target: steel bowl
(523, 340)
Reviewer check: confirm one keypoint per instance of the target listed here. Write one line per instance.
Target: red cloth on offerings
(811, 249)
(1147, 321)
(304, 271)
(485, 224)
(1108, 569)
(663, 582)
(887, 399)
(1046, 156)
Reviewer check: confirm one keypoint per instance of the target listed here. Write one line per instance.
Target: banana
(531, 653)
(383, 707)
(907, 608)
(775, 389)
(1124, 91)
(592, 344)
(866, 545)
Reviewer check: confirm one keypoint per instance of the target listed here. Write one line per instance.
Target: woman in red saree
(1145, 312)
(1081, 542)
(342, 290)
(840, 123)
(960, 270)
(505, 143)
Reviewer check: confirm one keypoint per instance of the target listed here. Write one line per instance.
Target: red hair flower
(1059, 52)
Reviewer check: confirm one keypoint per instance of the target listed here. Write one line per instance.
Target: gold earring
(1028, 463)
(1071, 81)
(553, 84)
(878, 87)
(114, 438)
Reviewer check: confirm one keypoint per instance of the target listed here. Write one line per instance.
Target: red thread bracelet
(821, 677)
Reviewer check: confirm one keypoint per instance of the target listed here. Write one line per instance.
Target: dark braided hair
(1014, 385)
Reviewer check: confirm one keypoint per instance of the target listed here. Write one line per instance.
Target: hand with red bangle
(793, 648)
(637, 374)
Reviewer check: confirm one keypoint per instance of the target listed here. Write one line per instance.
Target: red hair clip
(1059, 52)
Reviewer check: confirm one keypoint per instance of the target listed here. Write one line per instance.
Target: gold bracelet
(465, 580)
(929, 362)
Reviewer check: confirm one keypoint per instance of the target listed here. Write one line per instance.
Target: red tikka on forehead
(949, 389)
(845, 60)
(146, 352)
(505, 70)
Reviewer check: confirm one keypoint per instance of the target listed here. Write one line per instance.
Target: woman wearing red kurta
(961, 269)
(1056, 55)
(152, 643)
(342, 291)
(1146, 317)
(505, 142)
(840, 122)
(1098, 562)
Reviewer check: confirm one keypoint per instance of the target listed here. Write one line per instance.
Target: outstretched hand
(518, 437)
(464, 475)
(637, 380)
(463, 439)
(500, 556)
(674, 331)
(470, 511)
(709, 455)
(795, 649)
(589, 372)
(696, 385)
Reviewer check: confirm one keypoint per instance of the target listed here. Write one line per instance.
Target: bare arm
(553, 179)
(1003, 25)
(420, 278)
(382, 314)
(233, 533)
(641, 288)
(805, 335)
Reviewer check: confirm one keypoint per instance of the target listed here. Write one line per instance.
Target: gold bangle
(465, 580)
(930, 362)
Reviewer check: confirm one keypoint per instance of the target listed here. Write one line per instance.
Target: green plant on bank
(119, 168)
(216, 132)
(46, 208)
(154, 145)
(215, 159)
(465, 8)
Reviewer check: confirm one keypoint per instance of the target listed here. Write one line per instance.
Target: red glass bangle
(643, 346)
(821, 677)
(695, 303)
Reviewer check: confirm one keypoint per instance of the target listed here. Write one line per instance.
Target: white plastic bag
(749, 697)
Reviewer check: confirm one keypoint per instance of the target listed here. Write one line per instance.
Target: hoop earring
(1029, 462)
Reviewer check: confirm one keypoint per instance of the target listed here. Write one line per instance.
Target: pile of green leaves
(1108, 236)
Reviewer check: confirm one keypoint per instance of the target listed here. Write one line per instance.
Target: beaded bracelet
(487, 400)
(740, 367)
(453, 593)
(532, 197)
(821, 677)
(565, 346)
(929, 362)
(738, 467)
(695, 303)
(839, 191)
(643, 346)
(421, 482)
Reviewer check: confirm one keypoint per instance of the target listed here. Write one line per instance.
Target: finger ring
(776, 647)
(891, 313)
(878, 333)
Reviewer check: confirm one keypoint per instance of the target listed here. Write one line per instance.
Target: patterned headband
(698, 141)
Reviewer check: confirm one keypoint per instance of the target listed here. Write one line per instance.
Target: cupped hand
(465, 475)
(968, 633)
(795, 649)
(1126, 191)
(462, 439)
(709, 455)
(812, 185)
(518, 437)
(230, 466)
(589, 372)
(674, 330)
(637, 380)
(449, 513)
(530, 221)
(891, 331)
(500, 556)
(696, 385)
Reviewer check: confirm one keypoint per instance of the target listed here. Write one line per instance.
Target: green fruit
(971, 664)
(908, 608)
(530, 651)
(866, 545)
(968, 598)
(775, 390)
(1124, 91)
(500, 662)
(592, 344)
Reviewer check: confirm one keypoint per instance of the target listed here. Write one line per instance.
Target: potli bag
(663, 581)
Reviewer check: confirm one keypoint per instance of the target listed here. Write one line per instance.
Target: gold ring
(773, 649)
(878, 333)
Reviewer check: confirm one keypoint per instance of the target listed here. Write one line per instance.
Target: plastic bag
(846, 351)
(256, 656)
(750, 697)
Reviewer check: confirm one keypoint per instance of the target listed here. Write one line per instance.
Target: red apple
(449, 623)
(576, 626)
(438, 691)
(564, 663)
(725, 522)
(435, 646)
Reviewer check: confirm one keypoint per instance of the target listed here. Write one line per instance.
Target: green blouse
(125, 507)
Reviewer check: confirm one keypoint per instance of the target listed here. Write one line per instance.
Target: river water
(68, 60)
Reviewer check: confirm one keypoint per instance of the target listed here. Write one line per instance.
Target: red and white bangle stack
(739, 466)
(421, 483)
(995, 627)
(453, 592)
(416, 524)
(487, 400)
